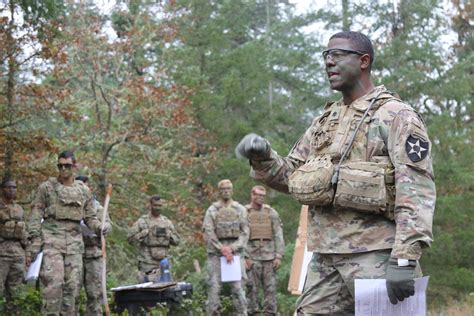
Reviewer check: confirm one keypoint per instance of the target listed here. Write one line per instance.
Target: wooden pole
(104, 251)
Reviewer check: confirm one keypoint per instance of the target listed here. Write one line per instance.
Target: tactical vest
(227, 222)
(260, 224)
(12, 224)
(158, 237)
(65, 202)
(157, 241)
(362, 185)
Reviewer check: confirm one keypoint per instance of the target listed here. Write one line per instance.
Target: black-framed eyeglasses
(64, 166)
(337, 54)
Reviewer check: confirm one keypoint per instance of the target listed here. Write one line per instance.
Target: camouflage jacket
(61, 235)
(92, 243)
(213, 243)
(390, 134)
(267, 249)
(11, 247)
(141, 233)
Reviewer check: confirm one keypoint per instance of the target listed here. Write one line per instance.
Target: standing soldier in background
(364, 168)
(12, 243)
(154, 233)
(93, 259)
(264, 252)
(226, 233)
(63, 203)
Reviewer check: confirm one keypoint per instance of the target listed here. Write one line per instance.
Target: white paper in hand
(34, 269)
(231, 271)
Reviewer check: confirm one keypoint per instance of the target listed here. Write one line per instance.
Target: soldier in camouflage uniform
(264, 252)
(62, 203)
(226, 233)
(154, 233)
(12, 243)
(371, 200)
(93, 260)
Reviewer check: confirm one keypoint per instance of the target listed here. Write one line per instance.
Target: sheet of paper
(371, 298)
(304, 268)
(231, 271)
(34, 269)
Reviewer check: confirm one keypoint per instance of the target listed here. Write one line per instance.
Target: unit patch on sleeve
(416, 148)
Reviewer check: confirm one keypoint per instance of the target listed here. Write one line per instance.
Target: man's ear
(365, 61)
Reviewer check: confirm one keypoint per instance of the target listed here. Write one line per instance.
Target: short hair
(84, 179)
(67, 154)
(360, 41)
(155, 197)
(258, 187)
(5, 180)
(224, 181)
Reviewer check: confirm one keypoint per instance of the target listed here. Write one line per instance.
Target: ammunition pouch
(13, 230)
(158, 252)
(367, 187)
(310, 184)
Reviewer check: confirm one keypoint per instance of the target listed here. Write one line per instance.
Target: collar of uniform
(363, 102)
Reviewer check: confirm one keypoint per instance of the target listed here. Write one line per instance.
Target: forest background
(154, 96)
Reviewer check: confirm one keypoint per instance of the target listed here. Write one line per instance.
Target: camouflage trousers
(148, 272)
(12, 272)
(329, 286)
(93, 285)
(238, 294)
(262, 275)
(60, 277)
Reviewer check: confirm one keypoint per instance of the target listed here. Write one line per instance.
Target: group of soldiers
(253, 233)
(65, 227)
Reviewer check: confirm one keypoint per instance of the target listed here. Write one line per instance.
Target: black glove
(253, 147)
(400, 280)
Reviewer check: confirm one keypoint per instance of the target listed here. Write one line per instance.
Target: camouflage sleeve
(241, 242)
(278, 235)
(275, 171)
(174, 237)
(209, 230)
(410, 151)
(34, 224)
(90, 213)
(138, 232)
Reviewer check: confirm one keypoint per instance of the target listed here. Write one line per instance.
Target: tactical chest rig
(12, 224)
(158, 241)
(260, 224)
(65, 202)
(328, 177)
(227, 221)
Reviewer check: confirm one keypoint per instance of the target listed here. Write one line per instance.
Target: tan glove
(248, 264)
(276, 264)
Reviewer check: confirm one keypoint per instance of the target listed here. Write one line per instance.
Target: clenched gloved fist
(400, 280)
(253, 147)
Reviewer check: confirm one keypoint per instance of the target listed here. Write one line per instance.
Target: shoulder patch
(416, 148)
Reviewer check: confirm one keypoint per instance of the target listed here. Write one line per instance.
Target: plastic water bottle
(165, 271)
